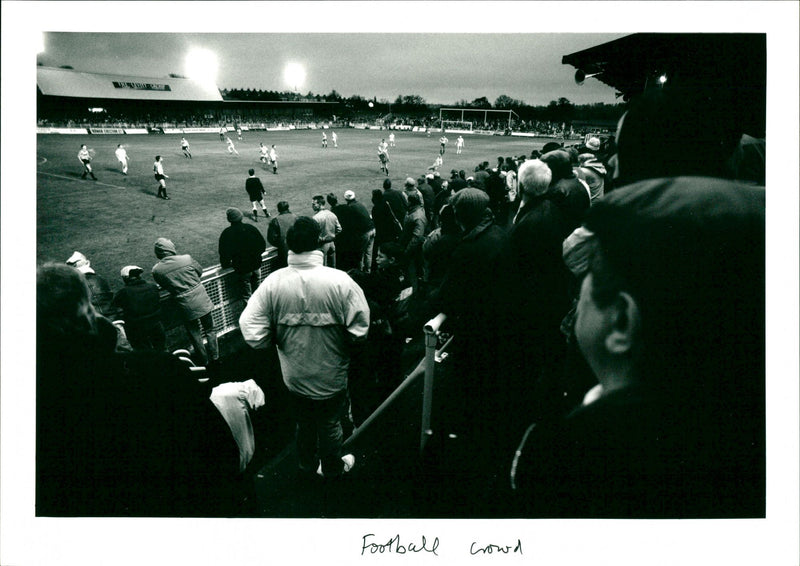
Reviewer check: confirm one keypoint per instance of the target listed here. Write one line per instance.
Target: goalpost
(468, 116)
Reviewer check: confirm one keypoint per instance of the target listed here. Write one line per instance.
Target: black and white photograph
(445, 281)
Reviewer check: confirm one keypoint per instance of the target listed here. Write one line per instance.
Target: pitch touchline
(84, 180)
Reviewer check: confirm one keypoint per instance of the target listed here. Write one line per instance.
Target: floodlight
(662, 79)
(294, 74)
(201, 65)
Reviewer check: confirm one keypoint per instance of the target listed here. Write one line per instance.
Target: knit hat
(349, 195)
(234, 215)
(429, 176)
(79, 262)
(410, 182)
(164, 247)
(131, 271)
(469, 205)
(593, 144)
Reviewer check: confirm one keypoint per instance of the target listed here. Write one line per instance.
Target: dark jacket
(254, 188)
(414, 228)
(362, 221)
(386, 229)
(397, 200)
(140, 302)
(240, 247)
(130, 434)
(634, 454)
(276, 234)
(427, 199)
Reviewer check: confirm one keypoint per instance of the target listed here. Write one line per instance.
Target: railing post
(431, 330)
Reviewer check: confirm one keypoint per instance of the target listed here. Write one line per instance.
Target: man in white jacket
(311, 313)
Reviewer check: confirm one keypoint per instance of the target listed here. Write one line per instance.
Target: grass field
(115, 220)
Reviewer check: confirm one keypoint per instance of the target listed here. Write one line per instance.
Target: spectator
(348, 241)
(119, 434)
(481, 176)
(439, 246)
(99, 290)
(240, 247)
(675, 426)
(460, 182)
(276, 233)
(539, 289)
(329, 229)
(387, 229)
(441, 199)
(365, 229)
(140, 303)
(427, 195)
(436, 182)
(469, 295)
(181, 276)
(414, 230)
(398, 204)
(573, 195)
(592, 172)
(321, 310)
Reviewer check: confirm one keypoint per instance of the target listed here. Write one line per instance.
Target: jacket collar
(305, 259)
(484, 224)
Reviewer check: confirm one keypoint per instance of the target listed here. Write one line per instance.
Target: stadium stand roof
(716, 59)
(77, 84)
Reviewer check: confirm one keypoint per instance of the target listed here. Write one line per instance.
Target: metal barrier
(426, 367)
(223, 292)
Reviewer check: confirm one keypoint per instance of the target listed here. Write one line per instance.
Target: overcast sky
(442, 68)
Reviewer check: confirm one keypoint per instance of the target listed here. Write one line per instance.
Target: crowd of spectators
(607, 304)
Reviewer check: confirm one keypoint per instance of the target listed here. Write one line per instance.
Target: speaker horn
(581, 76)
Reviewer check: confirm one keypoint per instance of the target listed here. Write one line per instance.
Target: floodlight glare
(662, 79)
(201, 65)
(294, 75)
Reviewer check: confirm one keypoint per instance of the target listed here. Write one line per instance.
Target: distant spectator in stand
(181, 275)
(365, 229)
(414, 230)
(276, 233)
(240, 247)
(329, 229)
(99, 290)
(313, 350)
(140, 303)
(255, 190)
(671, 319)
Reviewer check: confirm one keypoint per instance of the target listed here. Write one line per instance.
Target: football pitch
(115, 220)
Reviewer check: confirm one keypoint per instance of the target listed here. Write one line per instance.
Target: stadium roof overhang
(629, 64)
(77, 84)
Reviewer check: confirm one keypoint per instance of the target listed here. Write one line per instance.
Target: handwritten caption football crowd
(373, 544)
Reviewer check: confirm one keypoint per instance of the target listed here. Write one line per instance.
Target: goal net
(480, 118)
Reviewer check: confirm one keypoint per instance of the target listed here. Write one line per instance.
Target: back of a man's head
(283, 206)
(690, 252)
(560, 163)
(387, 184)
(534, 177)
(303, 235)
(63, 305)
(675, 132)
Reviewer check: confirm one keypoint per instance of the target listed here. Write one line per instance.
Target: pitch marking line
(83, 180)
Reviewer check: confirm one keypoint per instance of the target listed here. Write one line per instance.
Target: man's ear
(624, 325)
